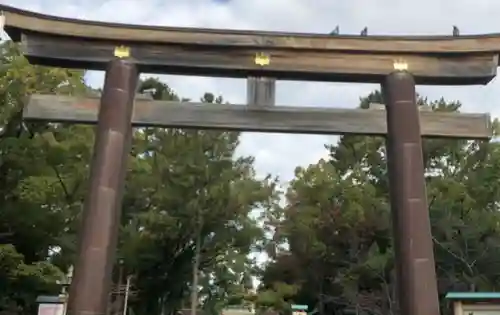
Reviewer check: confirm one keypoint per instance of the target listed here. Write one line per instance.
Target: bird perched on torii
(336, 31)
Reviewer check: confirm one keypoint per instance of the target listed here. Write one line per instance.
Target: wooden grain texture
(271, 119)
(18, 21)
(378, 106)
(138, 96)
(240, 62)
(261, 92)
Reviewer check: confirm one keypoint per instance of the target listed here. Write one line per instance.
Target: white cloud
(280, 154)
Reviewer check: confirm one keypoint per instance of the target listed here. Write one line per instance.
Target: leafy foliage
(334, 236)
(198, 187)
(176, 179)
(36, 210)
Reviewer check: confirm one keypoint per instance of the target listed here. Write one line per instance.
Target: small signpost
(51, 305)
(298, 309)
(238, 310)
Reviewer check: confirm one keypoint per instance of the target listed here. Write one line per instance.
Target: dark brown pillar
(416, 275)
(101, 214)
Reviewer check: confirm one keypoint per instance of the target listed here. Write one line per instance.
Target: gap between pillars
(102, 208)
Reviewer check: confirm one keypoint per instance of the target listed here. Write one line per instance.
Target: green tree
(34, 205)
(187, 207)
(175, 178)
(336, 222)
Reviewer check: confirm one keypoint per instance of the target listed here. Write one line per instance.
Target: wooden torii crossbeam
(263, 118)
(398, 63)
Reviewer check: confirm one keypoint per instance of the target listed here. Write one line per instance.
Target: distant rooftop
(476, 296)
(50, 299)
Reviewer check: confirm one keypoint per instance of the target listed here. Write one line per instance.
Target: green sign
(299, 307)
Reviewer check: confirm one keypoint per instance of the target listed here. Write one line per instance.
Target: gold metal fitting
(400, 65)
(262, 59)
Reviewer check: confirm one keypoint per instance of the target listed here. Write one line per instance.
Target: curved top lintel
(18, 21)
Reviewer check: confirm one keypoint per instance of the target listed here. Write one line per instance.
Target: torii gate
(397, 63)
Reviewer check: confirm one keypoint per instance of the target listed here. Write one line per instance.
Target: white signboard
(51, 309)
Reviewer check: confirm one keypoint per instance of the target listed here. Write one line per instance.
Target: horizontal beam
(378, 106)
(270, 119)
(19, 21)
(241, 62)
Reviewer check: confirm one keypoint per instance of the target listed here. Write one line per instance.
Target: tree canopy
(182, 186)
(337, 220)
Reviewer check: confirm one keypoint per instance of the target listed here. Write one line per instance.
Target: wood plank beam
(19, 21)
(241, 62)
(271, 119)
(378, 106)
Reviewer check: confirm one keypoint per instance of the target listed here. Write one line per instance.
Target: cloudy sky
(280, 154)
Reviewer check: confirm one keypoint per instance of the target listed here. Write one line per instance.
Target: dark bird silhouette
(336, 31)
(364, 32)
(456, 31)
